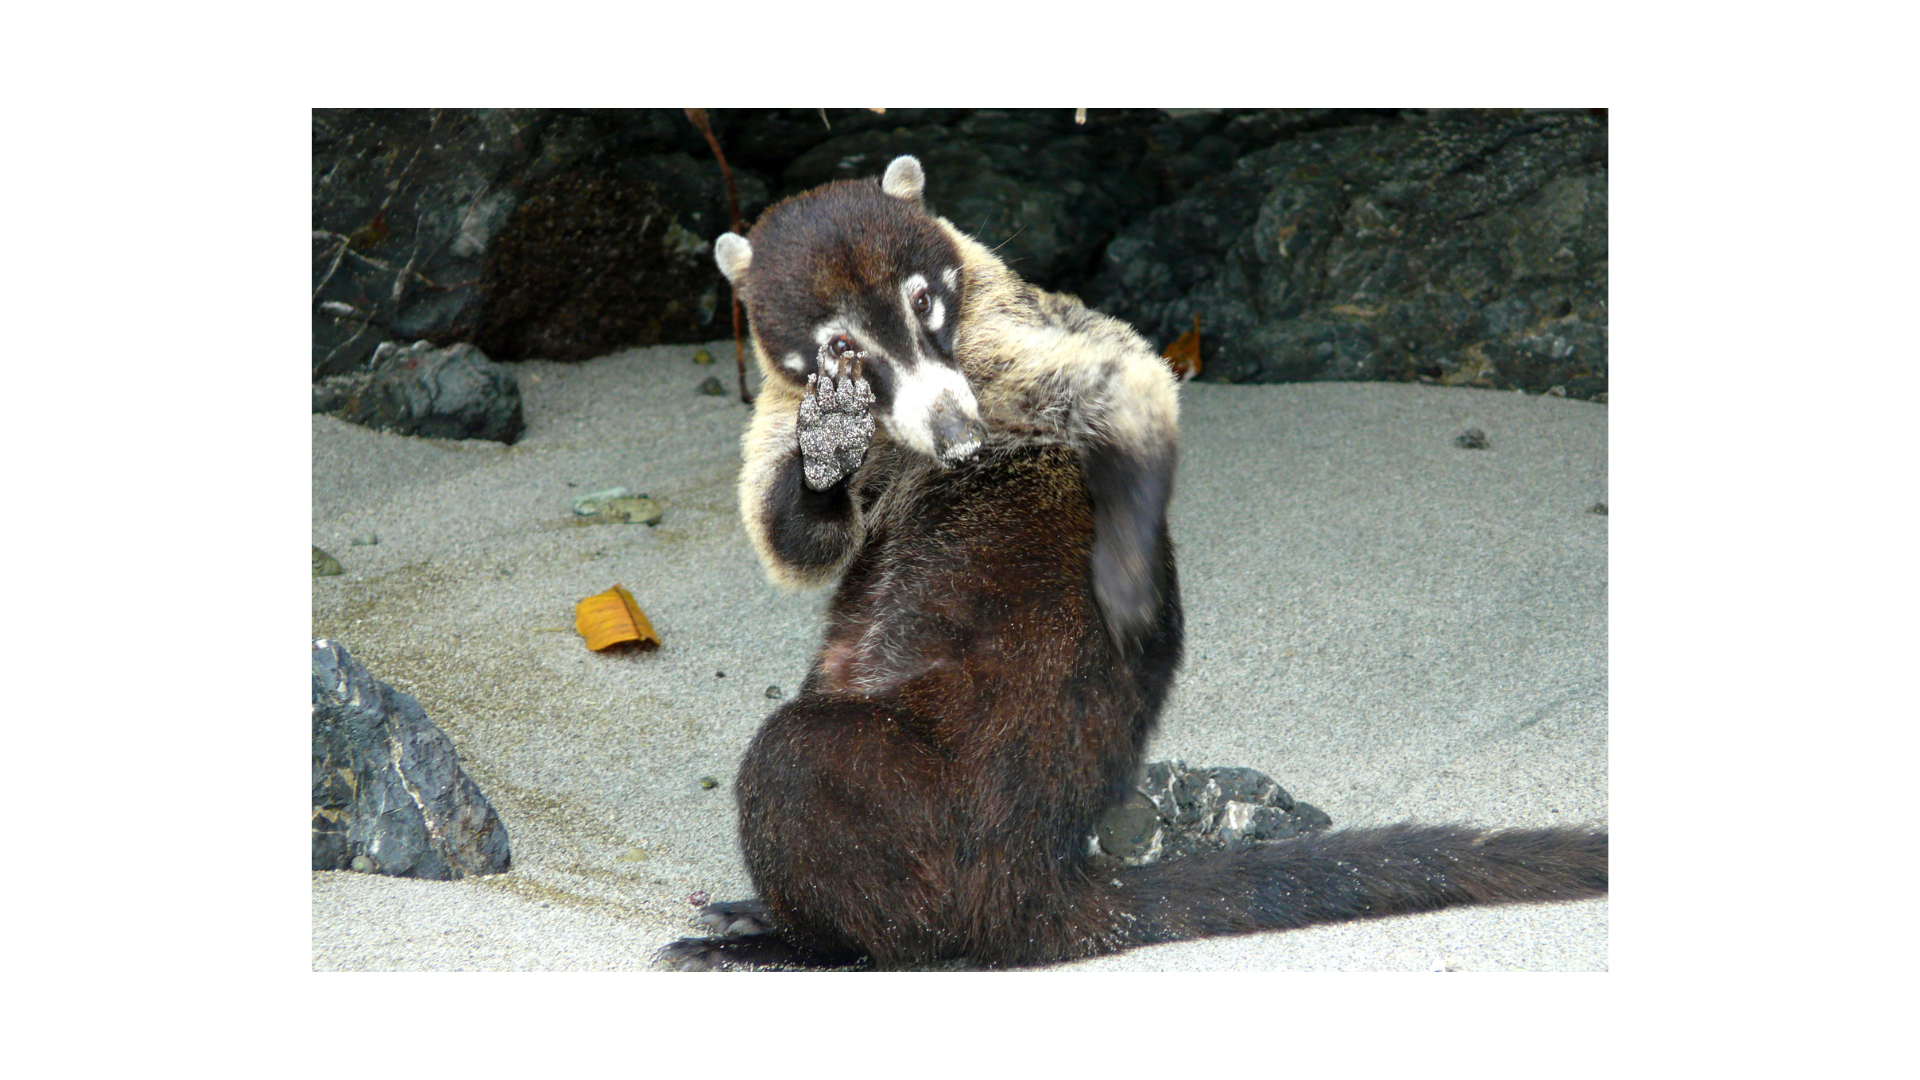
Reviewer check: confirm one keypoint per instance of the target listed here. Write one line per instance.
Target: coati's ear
(904, 179)
(734, 255)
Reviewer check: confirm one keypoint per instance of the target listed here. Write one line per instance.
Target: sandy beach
(1390, 625)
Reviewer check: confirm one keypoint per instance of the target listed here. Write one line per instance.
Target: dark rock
(405, 203)
(1045, 193)
(409, 206)
(1177, 811)
(387, 785)
(1464, 248)
(1457, 247)
(589, 264)
(450, 393)
(1471, 439)
(767, 140)
(712, 387)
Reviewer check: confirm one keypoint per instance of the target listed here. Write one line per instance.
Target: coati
(985, 468)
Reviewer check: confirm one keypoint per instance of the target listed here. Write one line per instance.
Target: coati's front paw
(836, 424)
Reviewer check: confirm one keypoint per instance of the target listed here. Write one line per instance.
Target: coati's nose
(957, 433)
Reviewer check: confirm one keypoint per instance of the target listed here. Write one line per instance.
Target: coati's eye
(922, 302)
(841, 346)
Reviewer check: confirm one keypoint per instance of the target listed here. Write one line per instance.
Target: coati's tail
(1355, 874)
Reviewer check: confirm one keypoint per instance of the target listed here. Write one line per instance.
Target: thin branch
(394, 188)
(378, 264)
(400, 279)
(699, 118)
(338, 254)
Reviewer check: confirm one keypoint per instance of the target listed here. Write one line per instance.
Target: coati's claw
(758, 952)
(739, 918)
(836, 425)
(690, 954)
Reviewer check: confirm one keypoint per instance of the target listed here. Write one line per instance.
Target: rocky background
(1455, 247)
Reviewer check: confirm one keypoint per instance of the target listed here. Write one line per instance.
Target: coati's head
(858, 272)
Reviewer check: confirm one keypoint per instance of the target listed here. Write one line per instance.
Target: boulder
(450, 393)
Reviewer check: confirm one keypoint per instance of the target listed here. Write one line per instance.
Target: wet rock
(389, 796)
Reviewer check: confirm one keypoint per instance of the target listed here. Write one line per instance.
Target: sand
(1391, 626)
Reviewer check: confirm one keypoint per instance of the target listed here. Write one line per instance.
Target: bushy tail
(1357, 874)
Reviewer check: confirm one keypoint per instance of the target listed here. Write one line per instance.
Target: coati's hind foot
(733, 918)
(744, 940)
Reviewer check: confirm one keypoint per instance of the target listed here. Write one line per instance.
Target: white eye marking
(793, 361)
(938, 316)
(913, 284)
(951, 277)
(825, 333)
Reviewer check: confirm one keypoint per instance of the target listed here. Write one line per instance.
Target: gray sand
(1389, 625)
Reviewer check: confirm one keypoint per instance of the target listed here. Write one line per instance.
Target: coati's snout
(934, 413)
(922, 401)
(957, 431)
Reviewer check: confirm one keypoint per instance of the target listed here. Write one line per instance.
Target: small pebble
(365, 540)
(708, 783)
(321, 565)
(1598, 508)
(700, 898)
(702, 356)
(719, 674)
(1472, 439)
(774, 692)
(362, 864)
(712, 387)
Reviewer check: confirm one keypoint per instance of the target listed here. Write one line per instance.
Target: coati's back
(985, 468)
(966, 720)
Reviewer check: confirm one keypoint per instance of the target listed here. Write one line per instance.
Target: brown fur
(1002, 639)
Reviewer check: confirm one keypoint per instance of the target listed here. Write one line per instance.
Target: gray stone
(389, 796)
(450, 393)
(1177, 811)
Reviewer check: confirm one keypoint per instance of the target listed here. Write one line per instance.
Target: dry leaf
(611, 618)
(1183, 356)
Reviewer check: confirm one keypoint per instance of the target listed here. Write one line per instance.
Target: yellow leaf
(1183, 356)
(611, 618)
